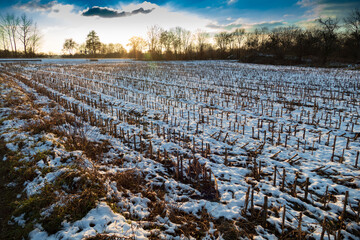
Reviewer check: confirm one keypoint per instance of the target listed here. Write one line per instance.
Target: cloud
(327, 8)
(227, 27)
(246, 24)
(37, 5)
(308, 24)
(307, 3)
(231, 2)
(230, 25)
(270, 25)
(105, 12)
(68, 22)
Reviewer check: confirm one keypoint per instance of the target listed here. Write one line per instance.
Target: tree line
(328, 40)
(19, 36)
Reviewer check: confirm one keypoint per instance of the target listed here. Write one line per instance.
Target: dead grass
(74, 135)
(93, 150)
(72, 200)
(191, 226)
(44, 125)
(132, 180)
(107, 237)
(7, 198)
(156, 208)
(13, 99)
(228, 229)
(73, 194)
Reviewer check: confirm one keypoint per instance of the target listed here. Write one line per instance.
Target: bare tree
(112, 50)
(69, 46)
(166, 39)
(119, 49)
(3, 38)
(14, 24)
(328, 36)
(10, 24)
(254, 39)
(223, 40)
(353, 25)
(201, 38)
(180, 40)
(305, 44)
(353, 21)
(176, 39)
(25, 27)
(34, 41)
(185, 40)
(104, 49)
(5, 26)
(154, 34)
(137, 44)
(238, 36)
(281, 40)
(82, 48)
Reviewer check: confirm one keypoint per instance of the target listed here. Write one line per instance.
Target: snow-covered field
(176, 150)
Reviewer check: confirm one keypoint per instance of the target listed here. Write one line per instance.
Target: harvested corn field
(179, 150)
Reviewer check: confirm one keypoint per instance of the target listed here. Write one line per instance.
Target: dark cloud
(105, 12)
(37, 5)
(141, 10)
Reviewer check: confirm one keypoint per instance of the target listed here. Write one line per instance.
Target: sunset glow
(117, 21)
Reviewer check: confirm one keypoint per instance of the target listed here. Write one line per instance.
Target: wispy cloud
(327, 8)
(270, 25)
(231, 1)
(309, 23)
(37, 5)
(227, 27)
(105, 12)
(246, 24)
(307, 3)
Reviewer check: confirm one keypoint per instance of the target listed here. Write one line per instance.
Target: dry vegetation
(198, 149)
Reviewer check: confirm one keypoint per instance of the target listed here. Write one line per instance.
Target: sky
(117, 21)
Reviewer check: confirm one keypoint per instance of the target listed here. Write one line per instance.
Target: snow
(182, 91)
(99, 220)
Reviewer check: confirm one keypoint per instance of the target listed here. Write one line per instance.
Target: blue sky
(117, 21)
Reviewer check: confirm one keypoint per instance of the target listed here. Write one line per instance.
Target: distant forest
(331, 40)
